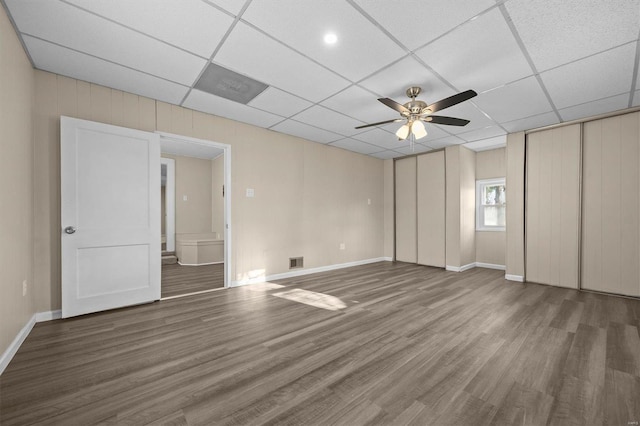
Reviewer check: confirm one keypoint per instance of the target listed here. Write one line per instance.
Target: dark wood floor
(412, 345)
(177, 279)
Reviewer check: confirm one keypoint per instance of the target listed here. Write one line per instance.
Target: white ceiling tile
(251, 53)
(467, 111)
(415, 149)
(330, 120)
(295, 128)
(379, 138)
(393, 82)
(351, 56)
(533, 122)
(596, 77)
(190, 24)
(479, 55)
(522, 98)
(556, 32)
(96, 36)
(444, 142)
(487, 144)
(417, 22)
(386, 155)
(600, 106)
(356, 146)
(636, 98)
(360, 104)
(484, 133)
(222, 107)
(59, 60)
(232, 6)
(279, 102)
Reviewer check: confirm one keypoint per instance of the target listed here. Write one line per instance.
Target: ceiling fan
(415, 112)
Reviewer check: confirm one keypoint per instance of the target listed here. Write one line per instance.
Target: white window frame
(480, 184)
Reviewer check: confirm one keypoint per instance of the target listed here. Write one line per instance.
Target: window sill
(491, 229)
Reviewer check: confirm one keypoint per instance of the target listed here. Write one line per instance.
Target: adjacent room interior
(304, 212)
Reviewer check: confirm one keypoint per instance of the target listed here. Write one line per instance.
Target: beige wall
(515, 205)
(16, 192)
(217, 199)
(490, 245)
(461, 206)
(309, 197)
(389, 237)
(193, 181)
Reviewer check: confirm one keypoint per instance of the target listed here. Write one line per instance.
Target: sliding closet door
(431, 209)
(406, 227)
(610, 231)
(553, 206)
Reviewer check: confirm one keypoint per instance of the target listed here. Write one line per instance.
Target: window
(491, 205)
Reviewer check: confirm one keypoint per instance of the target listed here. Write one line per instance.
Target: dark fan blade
(393, 104)
(451, 121)
(377, 124)
(450, 101)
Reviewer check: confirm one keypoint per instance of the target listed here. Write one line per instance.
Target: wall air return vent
(227, 84)
(295, 262)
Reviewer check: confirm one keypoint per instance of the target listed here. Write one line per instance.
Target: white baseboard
(301, 272)
(199, 264)
(10, 352)
(490, 266)
(49, 315)
(460, 268)
(518, 278)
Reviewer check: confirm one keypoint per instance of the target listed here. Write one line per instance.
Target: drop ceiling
(532, 62)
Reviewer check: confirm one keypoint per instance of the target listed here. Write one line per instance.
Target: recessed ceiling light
(330, 38)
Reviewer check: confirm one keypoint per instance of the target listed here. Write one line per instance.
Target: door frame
(170, 202)
(227, 193)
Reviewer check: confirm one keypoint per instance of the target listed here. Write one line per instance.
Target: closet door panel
(553, 206)
(406, 206)
(431, 209)
(611, 219)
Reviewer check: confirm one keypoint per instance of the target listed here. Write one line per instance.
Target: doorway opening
(195, 215)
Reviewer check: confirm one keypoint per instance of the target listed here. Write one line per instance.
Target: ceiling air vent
(227, 84)
(295, 262)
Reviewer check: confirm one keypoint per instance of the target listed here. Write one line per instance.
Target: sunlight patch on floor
(266, 286)
(319, 300)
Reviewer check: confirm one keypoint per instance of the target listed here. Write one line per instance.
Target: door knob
(70, 230)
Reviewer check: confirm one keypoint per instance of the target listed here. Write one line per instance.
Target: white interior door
(110, 190)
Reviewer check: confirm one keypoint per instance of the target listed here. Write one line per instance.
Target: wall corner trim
(300, 272)
(10, 352)
(518, 278)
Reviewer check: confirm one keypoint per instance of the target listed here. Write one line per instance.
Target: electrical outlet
(24, 287)
(342, 246)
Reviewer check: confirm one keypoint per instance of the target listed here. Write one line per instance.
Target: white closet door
(406, 226)
(431, 209)
(610, 227)
(553, 206)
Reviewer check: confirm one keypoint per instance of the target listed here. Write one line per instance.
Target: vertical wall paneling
(431, 209)
(406, 204)
(553, 206)
(610, 220)
(515, 165)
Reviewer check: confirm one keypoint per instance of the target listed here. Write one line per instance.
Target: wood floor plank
(411, 345)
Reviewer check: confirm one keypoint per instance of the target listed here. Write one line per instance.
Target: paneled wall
(309, 198)
(460, 207)
(553, 206)
(611, 215)
(406, 210)
(16, 191)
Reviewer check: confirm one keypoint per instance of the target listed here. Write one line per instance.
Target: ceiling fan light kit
(415, 112)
